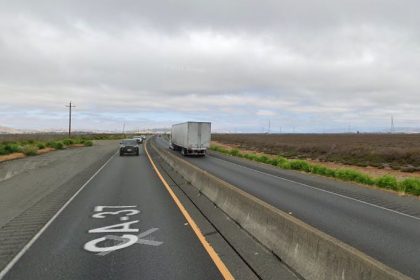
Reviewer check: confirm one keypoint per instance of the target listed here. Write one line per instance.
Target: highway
(123, 224)
(379, 224)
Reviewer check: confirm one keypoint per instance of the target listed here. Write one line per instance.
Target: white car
(139, 139)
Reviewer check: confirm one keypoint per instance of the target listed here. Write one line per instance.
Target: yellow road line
(213, 255)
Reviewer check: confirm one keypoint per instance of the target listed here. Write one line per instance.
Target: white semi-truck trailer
(191, 138)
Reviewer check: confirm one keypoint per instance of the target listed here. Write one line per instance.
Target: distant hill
(8, 130)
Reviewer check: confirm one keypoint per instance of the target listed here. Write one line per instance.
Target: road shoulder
(31, 197)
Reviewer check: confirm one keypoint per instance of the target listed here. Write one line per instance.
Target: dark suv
(129, 146)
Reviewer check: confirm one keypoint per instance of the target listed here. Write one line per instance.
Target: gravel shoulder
(32, 189)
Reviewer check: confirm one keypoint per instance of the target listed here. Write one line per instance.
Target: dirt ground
(11, 156)
(370, 170)
(397, 151)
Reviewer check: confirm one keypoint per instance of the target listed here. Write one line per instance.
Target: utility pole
(70, 106)
(123, 130)
(392, 124)
(269, 126)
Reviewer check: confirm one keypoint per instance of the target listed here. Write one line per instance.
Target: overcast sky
(303, 65)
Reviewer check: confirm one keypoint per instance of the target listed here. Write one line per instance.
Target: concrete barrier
(310, 252)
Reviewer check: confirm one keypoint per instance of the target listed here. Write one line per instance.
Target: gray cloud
(305, 64)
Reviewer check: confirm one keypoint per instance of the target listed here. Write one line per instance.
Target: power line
(70, 106)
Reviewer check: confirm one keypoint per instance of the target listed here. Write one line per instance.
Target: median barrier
(309, 252)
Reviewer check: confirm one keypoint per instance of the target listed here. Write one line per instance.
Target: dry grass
(12, 156)
(45, 150)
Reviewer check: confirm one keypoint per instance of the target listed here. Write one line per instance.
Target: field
(14, 146)
(41, 137)
(396, 151)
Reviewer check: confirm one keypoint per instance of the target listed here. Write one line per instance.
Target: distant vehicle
(139, 139)
(191, 138)
(129, 146)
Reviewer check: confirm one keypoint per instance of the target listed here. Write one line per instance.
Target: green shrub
(281, 162)
(300, 165)
(219, 149)
(355, 176)
(214, 148)
(68, 142)
(410, 185)
(40, 145)
(322, 170)
(284, 164)
(223, 150)
(366, 179)
(13, 148)
(3, 150)
(262, 159)
(272, 161)
(77, 140)
(30, 150)
(88, 143)
(234, 152)
(387, 181)
(318, 169)
(56, 145)
(59, 145)
(281, 159)
(250, 156)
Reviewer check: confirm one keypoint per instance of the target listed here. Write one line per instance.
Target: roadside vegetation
(396, 151)
(32, 144)
(408, 185)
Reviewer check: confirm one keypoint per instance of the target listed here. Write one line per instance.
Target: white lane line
(41, 231)
(322, 190)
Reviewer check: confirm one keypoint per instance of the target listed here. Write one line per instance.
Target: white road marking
(129, 212)
(139, 237)
(322, 190)
(101, 208)
(123, 227)
(127, 240)
(148, 241)
(41, 231)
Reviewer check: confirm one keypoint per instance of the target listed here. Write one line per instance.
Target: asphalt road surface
(122, 225)
(390, 236)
